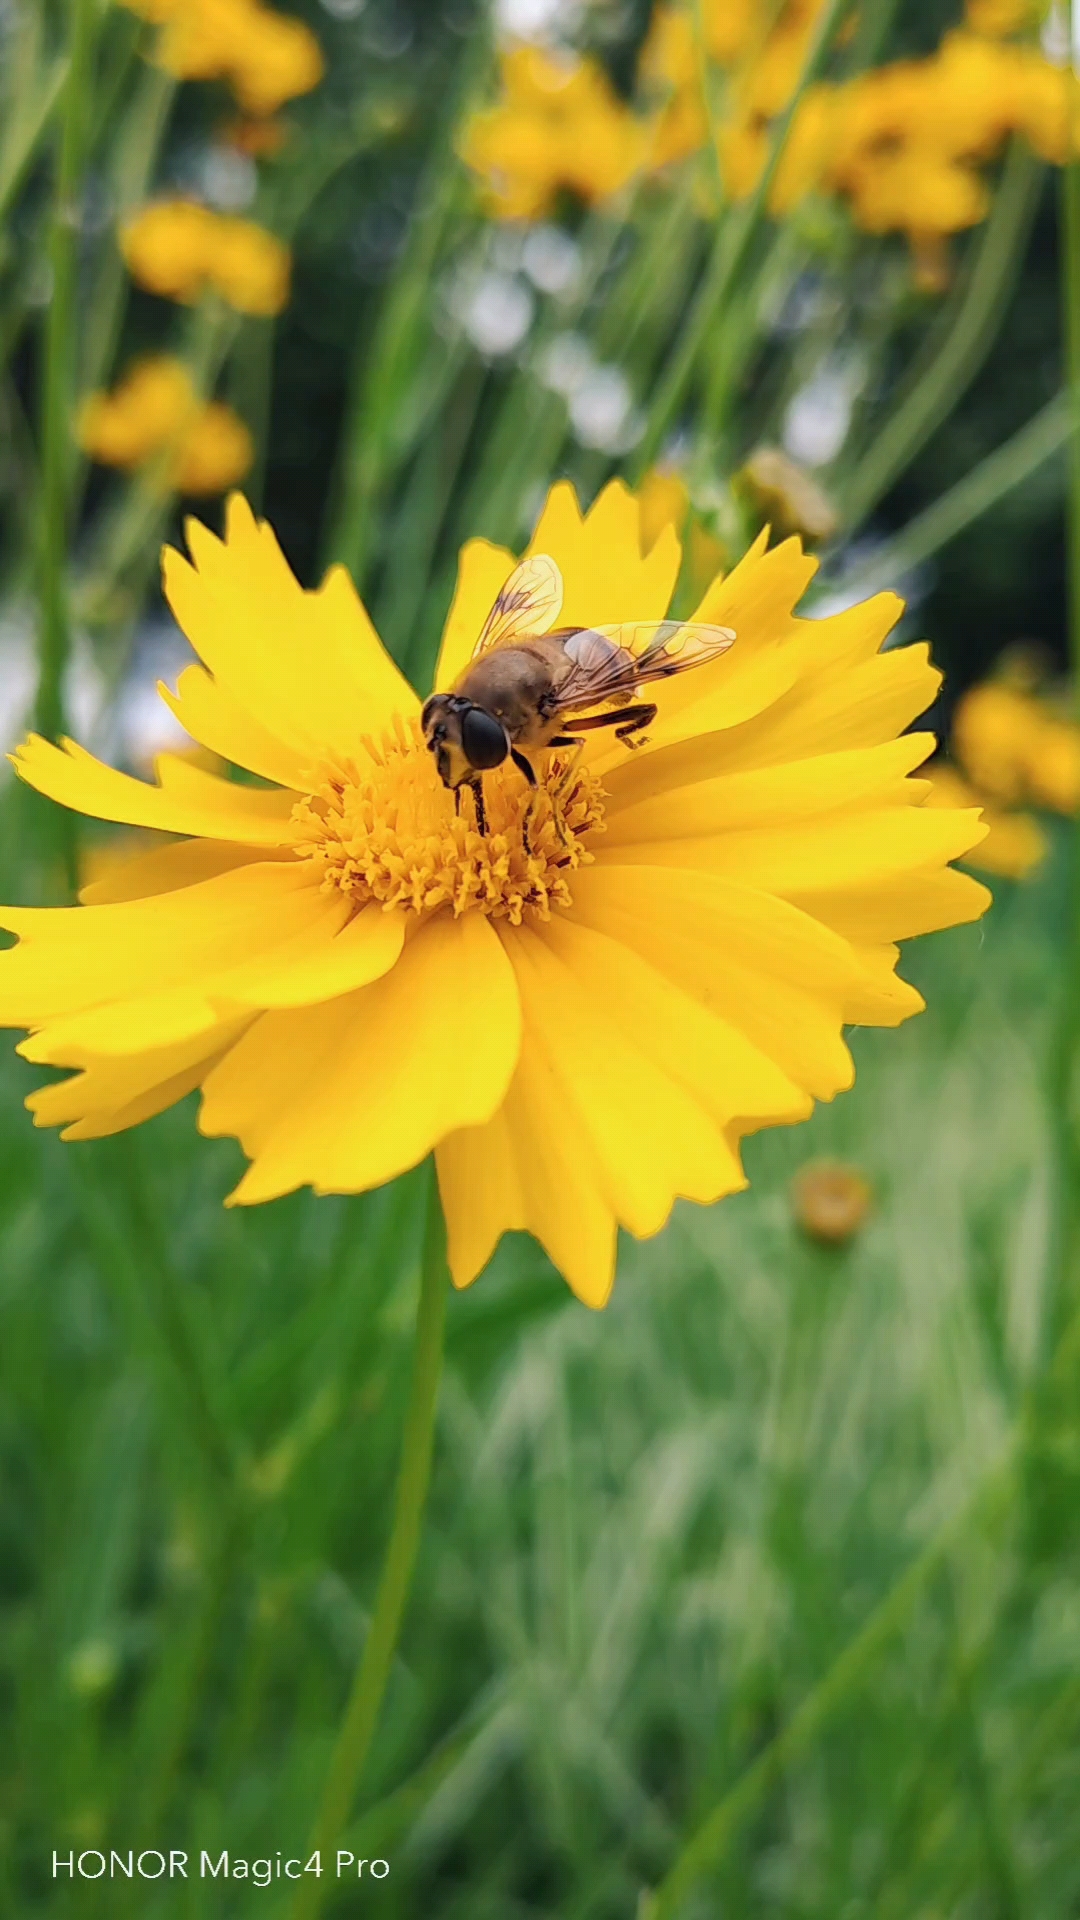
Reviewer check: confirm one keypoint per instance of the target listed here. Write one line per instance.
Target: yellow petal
(723, 1071)
(162, 869)
(218, 721)
(109, 1095)
(482, 571)
(881, 998)
(686, 792)
(757, 963)
(349, 1094)
(307, 667)
(70, 959)
(838, 709)
(606, 576)
(839, 691)
(837, 850)
(187, 800)
(526, 1169)
(906, 905)
(650, 1138)
(318, 962)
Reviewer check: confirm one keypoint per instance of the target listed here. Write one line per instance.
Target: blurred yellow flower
(583, 1028)
(1017, 749)
(266, 57)
(558, 127)
(156, 409)
(831, 1201)
(902, 143)
(1015, 844)
(181, 250)
(786, 496)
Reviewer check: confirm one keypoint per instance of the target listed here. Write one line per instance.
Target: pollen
(382, 827)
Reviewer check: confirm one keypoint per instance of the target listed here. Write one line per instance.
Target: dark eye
(483, 739)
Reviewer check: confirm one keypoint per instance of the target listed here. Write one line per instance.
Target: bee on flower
(580, 987)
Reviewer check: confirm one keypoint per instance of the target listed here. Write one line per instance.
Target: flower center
(383, 827)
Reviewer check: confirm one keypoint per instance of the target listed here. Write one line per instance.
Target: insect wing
(528, 604)
(609, 661)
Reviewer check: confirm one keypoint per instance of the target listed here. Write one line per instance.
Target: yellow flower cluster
(766, 58)
(1015, 748)
(265, 57)
(155, 410)
(181, 250)
(905, 143)
(559, 127)
(1013, 751)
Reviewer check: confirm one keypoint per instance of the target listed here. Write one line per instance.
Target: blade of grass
(995, 477)
(975, 327)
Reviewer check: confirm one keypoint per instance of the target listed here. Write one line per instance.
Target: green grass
(653, 1532)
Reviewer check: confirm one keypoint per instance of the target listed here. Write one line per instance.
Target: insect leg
(481, 811)
(523, 766)
(635, 720)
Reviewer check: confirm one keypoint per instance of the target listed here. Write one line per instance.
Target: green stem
(373, 1672)
(934, 394)
(975, 494)
(730, 255)
(54, 634)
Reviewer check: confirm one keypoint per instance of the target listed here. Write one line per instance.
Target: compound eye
(483, 740)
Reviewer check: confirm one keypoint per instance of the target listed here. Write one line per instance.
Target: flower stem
(373, 1672)
(54, 633)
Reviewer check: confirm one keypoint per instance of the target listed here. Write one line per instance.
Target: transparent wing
(606, 662)
(528, 605)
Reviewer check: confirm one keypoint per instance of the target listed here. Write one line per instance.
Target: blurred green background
(784, 1546)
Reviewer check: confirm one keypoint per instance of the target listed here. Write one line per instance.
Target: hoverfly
(530, 685)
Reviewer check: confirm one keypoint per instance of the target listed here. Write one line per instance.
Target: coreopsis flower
(830, 1200)
(559, 127)
(155, 410)
(182, 250)
(904, 143)
(582, 1017)
(1015, 843)
(265, 56)
(1017, 749)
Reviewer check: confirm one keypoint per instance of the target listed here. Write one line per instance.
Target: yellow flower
(1013, 747)
(266, 57)
(1015, 844)
(215, 453)
(559, 127)
(155, 408)
(180, 250)
(582, 1030)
